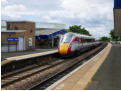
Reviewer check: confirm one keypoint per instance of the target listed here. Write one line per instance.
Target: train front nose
(63, 48)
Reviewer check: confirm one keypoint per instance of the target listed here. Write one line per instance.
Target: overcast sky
(95, 15)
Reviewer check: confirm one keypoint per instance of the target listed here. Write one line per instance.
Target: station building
(18, 37)
(26, 35)
(117, 17)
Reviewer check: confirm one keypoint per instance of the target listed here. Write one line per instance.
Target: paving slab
(108, 77)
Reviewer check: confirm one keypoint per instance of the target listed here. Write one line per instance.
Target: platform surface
(108, 76)
(13, 54)
(80, 77)
(17, 56)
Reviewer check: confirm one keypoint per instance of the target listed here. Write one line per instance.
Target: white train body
(71, 42)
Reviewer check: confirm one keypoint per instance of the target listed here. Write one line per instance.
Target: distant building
(25, 35)
(117, 17)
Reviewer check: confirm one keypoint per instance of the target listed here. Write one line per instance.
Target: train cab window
(67, 38)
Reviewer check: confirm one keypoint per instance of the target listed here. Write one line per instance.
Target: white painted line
(62, 79)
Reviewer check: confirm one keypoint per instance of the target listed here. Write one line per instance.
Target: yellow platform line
(79, 78)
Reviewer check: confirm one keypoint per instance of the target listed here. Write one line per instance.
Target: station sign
(13, 39)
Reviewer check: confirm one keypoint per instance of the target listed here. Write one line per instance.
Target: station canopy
(49, 33)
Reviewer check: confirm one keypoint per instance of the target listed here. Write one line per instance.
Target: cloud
(16, 11)
(94, 15)
(4, 2)
(85, 10)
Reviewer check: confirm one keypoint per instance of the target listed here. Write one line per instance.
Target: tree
(78, 29)
(113, 37)
(105, 39)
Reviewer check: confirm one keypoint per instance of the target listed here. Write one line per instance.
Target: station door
(21, 44)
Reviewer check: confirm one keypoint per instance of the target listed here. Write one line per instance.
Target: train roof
(81, 35)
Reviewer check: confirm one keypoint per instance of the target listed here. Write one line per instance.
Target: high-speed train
(73, 42)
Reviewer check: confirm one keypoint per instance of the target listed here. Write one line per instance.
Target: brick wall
(28, 26)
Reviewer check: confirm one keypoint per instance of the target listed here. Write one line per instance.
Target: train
(72, 42)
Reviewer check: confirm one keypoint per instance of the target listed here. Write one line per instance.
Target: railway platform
(100, 72)
(15, 56)
(108, 76)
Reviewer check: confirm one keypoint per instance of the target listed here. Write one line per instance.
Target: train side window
(88, 40)
(82, 40)
(76, 39)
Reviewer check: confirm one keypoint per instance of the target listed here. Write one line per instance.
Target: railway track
(58, 76)
(11, 78)
(30, 77)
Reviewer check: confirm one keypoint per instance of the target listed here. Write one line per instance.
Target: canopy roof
(47, 34)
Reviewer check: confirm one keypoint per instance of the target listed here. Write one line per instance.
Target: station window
(8, 27)
(16, 28)
(9, 35)
(31, 31)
